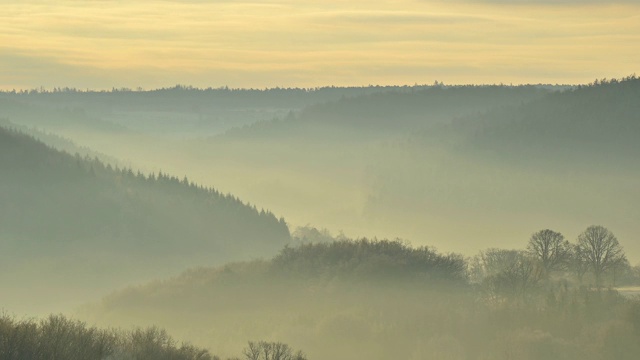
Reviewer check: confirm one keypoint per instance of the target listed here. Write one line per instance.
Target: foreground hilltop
(380, 299)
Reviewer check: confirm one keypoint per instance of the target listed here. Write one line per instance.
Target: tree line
(61, 338)
(596, 259)
(383, 299)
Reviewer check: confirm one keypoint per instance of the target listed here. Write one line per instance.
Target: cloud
(398, 17)
(552, 2)
(293, 43)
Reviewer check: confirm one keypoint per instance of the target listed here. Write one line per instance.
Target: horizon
(186, 87)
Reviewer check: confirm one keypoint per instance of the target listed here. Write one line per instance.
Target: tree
(621, 271)
(551, 249)
(578, 263)
(507, 272)
(263, 350)
(600, 250)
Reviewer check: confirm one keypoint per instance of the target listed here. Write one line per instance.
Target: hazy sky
(267, 43)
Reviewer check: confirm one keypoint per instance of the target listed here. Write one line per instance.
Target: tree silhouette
(263, 350)
(507, 273)
(551, 249)
(599, 248)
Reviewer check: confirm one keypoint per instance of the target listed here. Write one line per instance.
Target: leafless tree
(263, 350)
(578, 262)
(551, 249)
(509, 272)
(599, 248)
(252, 351)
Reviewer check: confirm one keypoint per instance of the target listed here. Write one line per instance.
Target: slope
(370, 299)
(597, 123)
(389, 113)
(567, 159)
(81, 225)
(179, 111)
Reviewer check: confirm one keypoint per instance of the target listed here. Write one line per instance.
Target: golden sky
(102, 44)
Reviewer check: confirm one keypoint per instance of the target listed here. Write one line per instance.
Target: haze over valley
(282, 180)
(461, 168)
(468, 170)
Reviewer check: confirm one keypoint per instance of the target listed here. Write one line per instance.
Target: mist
(249, 220)
(422, 163)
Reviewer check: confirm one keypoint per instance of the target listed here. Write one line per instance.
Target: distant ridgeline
(180, 109)
(53, 203)
(599, 121)
(393, 111)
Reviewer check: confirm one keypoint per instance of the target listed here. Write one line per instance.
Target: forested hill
(122, 225)
(177, 111)
(550, 158)
(380, 299)
(394, 111)
(307, 294)
(596, 122)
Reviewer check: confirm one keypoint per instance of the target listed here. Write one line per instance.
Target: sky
(100, 44)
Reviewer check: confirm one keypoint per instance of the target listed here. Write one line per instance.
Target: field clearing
(629, 291)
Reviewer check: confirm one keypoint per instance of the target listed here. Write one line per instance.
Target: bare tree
(551, 249)
(508, 272)
(599, 248)
(579, 263)
(263, 350)
(252, 351)
(620, 270)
